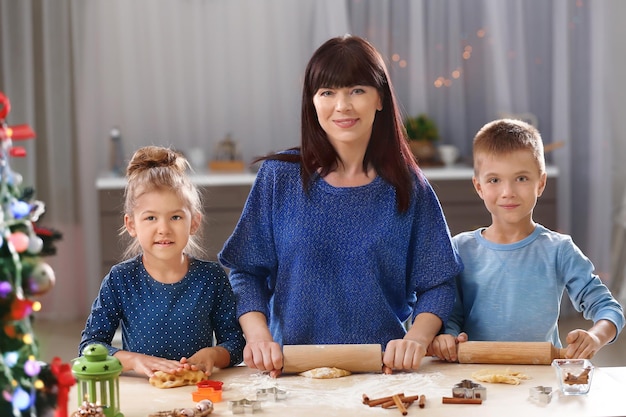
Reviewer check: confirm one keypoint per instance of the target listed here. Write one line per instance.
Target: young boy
(516, 270)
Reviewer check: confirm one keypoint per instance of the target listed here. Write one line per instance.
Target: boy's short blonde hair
(503, 136)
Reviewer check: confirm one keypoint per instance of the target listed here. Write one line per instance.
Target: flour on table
(338, 393)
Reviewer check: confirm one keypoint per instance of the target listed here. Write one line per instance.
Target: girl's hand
(403, 354)
(206, 359)
(444, 346)
(146, 364)
(265, 356)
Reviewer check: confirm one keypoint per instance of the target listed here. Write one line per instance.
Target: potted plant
(422, 134)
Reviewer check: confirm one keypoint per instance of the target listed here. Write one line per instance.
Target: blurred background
(189, 73)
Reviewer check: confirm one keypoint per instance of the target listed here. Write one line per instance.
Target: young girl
(169, 303)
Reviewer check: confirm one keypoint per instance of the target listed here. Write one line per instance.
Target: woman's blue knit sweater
(339, 265)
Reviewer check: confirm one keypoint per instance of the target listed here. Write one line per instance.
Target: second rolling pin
(351, 357)
(521, 353)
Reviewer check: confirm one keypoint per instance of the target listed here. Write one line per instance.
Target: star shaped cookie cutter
(541, 394)
(243, 405)
(468, 389)
(274, 393)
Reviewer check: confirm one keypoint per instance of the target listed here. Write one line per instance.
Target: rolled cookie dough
(325, 373)
(162, 379)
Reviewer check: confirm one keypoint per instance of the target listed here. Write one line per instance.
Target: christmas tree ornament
(20, 309)
(20, 399)
(32, 367)
(35, 245)
(5, 289)
(19, 209)
(65, 380)
(97, 377)
(39, 277)
(20, 241)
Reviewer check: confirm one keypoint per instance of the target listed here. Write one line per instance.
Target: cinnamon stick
(406, 401)
(388, 404)
(379, 401)
(458, 400)
(401, 407)
(422, 401)
(409, 399)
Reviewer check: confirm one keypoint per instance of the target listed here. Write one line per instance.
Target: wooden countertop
(456, 172)
(342, 397)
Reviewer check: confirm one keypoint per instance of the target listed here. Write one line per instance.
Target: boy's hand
(582, 344)
(444, 346)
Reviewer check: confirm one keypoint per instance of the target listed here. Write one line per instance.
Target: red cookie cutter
(208, 390)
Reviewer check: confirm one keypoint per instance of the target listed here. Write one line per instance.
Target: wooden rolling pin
(522, 353)
(351, 357)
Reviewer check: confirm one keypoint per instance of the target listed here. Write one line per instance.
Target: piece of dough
(325, 373)
(162, 379)
(505, 376)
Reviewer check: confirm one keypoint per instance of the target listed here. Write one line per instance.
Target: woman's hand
(261, 351)
(403, 354)
(407, 353)
(264, 355)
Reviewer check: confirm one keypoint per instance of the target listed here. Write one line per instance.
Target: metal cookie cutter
(243, 405)
(541, 394)
(469, 389)
(273, 393)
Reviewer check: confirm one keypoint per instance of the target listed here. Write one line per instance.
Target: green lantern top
(96, 363)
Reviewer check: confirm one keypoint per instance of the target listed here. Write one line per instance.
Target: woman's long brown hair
(343, 62)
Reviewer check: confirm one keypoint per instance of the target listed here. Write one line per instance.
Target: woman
(342, 240)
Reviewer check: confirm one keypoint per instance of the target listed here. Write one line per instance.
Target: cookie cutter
(208, 390)
(468, 389)
(541, 394)
(243, 405)
(274, 393)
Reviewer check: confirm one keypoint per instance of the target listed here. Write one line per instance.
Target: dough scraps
(325, 373)
(505, 376)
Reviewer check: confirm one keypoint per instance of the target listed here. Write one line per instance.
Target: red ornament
(21, 308)
(9, 330)
(19, 240)
(17, 132)
(65, 379)
(5, 106)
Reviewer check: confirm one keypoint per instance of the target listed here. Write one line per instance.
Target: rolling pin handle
(558, 353)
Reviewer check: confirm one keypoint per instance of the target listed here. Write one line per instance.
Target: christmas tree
(28, 387)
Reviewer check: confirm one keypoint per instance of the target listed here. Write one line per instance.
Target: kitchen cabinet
(224, 196)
